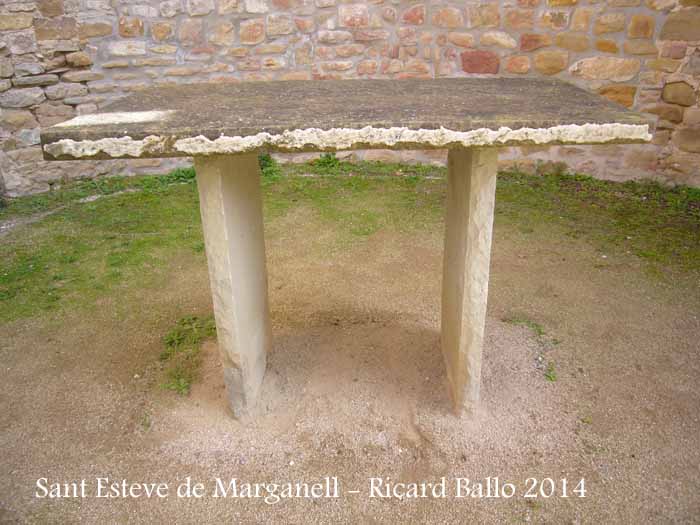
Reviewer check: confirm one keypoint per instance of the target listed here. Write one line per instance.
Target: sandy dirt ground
(355, 389)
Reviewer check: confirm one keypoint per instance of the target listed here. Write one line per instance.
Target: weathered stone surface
(581, 19)
(94, 30)
(5, 84)
(680, 93)
(555, 20)
(191, 32)
(15, 21)
(518, 64)
(81, 76)
(688, 139)
(353, 15)
(368, 35)
(170, 8)
(217, 122)
(609, 23)
(223, 34)
(415, 15)
(520, 19)
(640, 26)
(163, 49)
(57, 64)
(448, 17)
(606, 68)
(480, 61)
(551, 62)
(22, 98)
(561, 3)
(130, 27)
(78, 59)
(578, 42)
(692, 67)
(663, 64)
(691, 117)
(606, 46)
(55, 28)
(252, 31)
(673, 49)
(7, 69)
(144, 62)
(669, 112)
(36, 80)
(255, 6)
(640, 47)
(51, 113)
(344, 65)
(304, 25)
(367, 67)
(349, 50)
(620, 93)
(498, 38)
(532, 41)
(487, 15)
(21, 42)
(682, 25)
(199, 7)
(460, 39)
(228, 6)
(127, 48)
(66, 89)
(50, 8)
(660, 5)
(279, 25)
(28, 68)
(15, 119)
(162, 31)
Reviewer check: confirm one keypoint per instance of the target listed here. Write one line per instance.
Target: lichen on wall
(63, 58)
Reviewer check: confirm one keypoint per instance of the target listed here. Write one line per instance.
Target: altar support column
(471, 186)
(230, 201)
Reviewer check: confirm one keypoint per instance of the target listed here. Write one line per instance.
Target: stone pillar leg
(471, 185)
(230, 202)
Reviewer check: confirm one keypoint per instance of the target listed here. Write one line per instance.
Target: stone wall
(59, 58)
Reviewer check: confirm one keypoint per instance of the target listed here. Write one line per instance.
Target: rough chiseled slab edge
(336, 139)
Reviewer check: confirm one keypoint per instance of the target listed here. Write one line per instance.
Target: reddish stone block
(532, 41)
(353, 15)
(480, 61)
(415, 15)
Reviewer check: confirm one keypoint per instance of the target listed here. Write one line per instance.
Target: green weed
(181, 355)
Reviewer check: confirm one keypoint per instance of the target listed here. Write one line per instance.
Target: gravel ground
(355, 389)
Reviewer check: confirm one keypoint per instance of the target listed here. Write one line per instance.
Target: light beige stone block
(471, 189)
(232, 220)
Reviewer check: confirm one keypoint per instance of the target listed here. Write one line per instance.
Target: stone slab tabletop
(295, 116)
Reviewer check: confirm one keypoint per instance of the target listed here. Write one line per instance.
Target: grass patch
(654, 222)
(87, 250)
(71, 192)
(550, 373)
(536, 328)
(181, 356)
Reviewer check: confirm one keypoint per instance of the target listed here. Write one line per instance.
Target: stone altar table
(225, 126)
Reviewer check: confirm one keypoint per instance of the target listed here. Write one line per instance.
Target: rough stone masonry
(62, 58)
